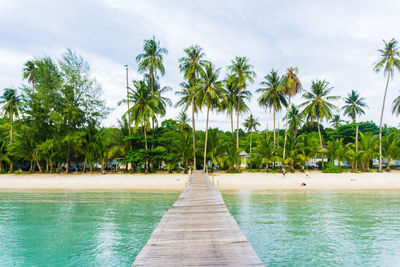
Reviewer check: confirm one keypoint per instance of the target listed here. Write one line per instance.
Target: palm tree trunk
(67, 170)
(380, 124)
(145, 146)
(85, 162)
(232, 122)
(287, 123)
(251, 139)
(274, 127)
(388, 164)
(355, 167)
(238, 113)
(320, 143)
(205, 142)
(194, 136)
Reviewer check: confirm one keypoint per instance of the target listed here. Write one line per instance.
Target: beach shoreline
(318, 181)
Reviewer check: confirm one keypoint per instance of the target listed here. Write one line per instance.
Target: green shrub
(330, 168)
(17, 172)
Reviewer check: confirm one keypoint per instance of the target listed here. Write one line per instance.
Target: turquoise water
(77, 229)
(320, 229)
(285, 229)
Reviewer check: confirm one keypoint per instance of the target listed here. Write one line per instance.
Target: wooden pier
(198, 230)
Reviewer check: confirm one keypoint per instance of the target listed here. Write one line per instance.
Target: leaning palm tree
(316, 106)
(243, 73)
(291, 85)
(145, 107)
(210, 95)
(389, 60)
(353, 107)
(272, 96)
(229, 104)
(12, 104)
(192, 65)
(251, 124)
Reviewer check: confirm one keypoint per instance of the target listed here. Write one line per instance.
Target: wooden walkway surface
(198, 230)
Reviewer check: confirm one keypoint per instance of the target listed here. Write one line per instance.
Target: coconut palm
(191, 65)
(29, 73)
(266, 150)
(389, 60)
(145, 107)
(336, 150)
(272, 96)
(291, 86)
(368, 149)
(390, 147)
(296, 119)
(316, 106)
(353, 107)
(243, 74)
(210, 95)
(151, 60)
(307, 149)
(183, 122)
(12, 104)
(336, 121)
(251, 124)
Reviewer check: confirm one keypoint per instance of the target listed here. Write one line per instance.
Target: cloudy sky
(335, 40)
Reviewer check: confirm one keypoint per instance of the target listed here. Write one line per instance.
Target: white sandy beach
(176, 182)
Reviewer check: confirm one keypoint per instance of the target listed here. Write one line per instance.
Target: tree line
(54, 122)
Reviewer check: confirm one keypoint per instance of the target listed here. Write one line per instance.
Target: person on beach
(283, 172)
(307, 174)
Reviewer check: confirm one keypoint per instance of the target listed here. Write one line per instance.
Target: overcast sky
(335, 40)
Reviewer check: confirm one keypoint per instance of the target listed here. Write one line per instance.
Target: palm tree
(291, 86)
(251, 124)
(12, 104)
(272, 96)
(336, 150)
(243, 73)
(390, 147)
(29, 72)
(388, 61)
(210, 95)
(317, 106)
(353, 107)
(296, 119)
(307, 148)
(183, 122)
(336, 121)
(191, 65)
(145, 107)
(231, 92)
(368, 149)
(266, 150)
(152, 60)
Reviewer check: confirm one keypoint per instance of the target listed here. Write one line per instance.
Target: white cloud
(335, 40)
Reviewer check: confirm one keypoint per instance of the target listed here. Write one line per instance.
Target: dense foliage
(53, 122)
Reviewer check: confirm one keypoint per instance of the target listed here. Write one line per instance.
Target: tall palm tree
(152, 60)
(231, 91)
(316, 106)
(243, 73)
(192, 64)
(145, 107)
(296, 119)
(272, 96)
(291, 85)
(210, 95)
(251, 124)
(389, 60)
(12, 104)
(353, 107)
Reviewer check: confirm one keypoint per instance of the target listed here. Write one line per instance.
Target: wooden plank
(198, 230)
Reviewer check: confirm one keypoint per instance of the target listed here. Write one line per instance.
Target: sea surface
(320, 229)
(285, 229)
(77, 229)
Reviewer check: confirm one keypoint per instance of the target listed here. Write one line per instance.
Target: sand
(226, 182)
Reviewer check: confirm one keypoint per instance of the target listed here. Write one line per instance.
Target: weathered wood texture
(198, 230)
